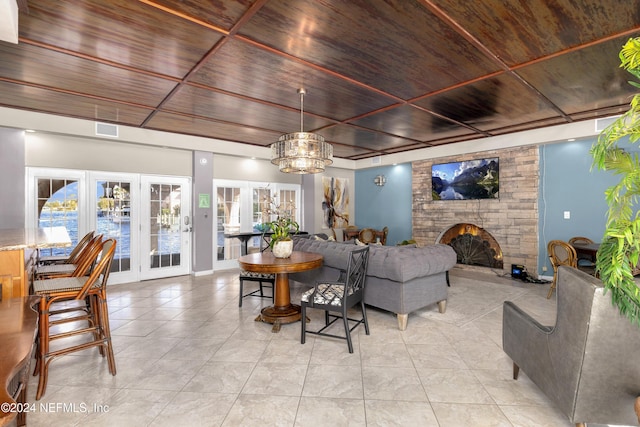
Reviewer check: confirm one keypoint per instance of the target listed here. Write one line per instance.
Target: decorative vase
(283, 248)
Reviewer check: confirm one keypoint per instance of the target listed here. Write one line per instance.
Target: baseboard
(202, 273)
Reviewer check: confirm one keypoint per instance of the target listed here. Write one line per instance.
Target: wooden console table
(18, 328)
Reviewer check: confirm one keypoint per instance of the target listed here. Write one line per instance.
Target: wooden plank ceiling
(382, 76)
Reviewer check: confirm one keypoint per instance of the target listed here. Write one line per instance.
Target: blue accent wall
(568, 184)
(389, 205)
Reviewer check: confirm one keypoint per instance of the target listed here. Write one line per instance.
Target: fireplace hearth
(473, 245)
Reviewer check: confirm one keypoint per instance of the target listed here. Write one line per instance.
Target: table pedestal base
(279, 315)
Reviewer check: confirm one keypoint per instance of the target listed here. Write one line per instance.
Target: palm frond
(620, 249)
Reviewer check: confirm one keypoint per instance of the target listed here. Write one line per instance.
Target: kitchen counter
(33, 238)
(18, 256)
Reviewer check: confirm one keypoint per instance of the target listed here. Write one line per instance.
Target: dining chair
(385, 233)
(581, 240)
(350, 233)
(367, 235)
(81, 265)
(585, 262)
(265, 280)
(560, 253)
(68, 259)
(92, 292)
(338, 297)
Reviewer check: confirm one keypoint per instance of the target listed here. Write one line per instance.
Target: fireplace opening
(473, 245)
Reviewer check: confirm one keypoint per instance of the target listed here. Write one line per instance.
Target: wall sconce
(380, 180)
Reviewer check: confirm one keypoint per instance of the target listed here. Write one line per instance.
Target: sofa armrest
(516, 317)
(526, 341)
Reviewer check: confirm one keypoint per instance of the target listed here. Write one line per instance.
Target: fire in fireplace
(473, 245)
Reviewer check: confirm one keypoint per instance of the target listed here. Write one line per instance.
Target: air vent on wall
(601, 124)
(106, 129)
(376, 160)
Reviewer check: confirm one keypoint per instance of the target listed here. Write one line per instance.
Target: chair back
(100, 274)
(593, 358)
(586, 363)
(561, 253)
(385, 233)
(580, 240)
(349, 233)
(89, 257)
(356, 273)
(75, 253)
(367, 235)
(108, 251)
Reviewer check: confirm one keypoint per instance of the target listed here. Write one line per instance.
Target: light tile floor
(187, 355)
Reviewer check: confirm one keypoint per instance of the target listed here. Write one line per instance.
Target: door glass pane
(165, 233)
(261, 202)
(58, 207)
(113, 212)
(260, 208)
(288, 204)
(228, 221)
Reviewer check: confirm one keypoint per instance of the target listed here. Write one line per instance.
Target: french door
(165, 227)
(242, 206)
(145, 214)
(114, 207)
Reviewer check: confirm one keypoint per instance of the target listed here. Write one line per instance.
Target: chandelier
(301, 152)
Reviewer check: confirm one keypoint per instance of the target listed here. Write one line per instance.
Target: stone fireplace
(512, 219)
(473, 245)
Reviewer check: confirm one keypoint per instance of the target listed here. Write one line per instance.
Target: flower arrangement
(282, 229)
(284, 225)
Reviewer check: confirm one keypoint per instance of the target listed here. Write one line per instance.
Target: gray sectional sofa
(400, 279)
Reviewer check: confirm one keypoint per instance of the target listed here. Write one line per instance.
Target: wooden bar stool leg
(106, 331)
(43, 344)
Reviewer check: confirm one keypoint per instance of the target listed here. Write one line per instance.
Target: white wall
(70, 152)
(12, 182)
(246, 169)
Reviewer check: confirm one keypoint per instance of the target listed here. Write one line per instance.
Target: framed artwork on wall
(335, 204)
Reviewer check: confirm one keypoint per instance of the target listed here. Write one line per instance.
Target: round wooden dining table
(282, 311)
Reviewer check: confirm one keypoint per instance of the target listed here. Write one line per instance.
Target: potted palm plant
(618, 255)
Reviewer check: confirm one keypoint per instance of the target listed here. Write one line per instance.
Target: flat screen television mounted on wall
(467, 180)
